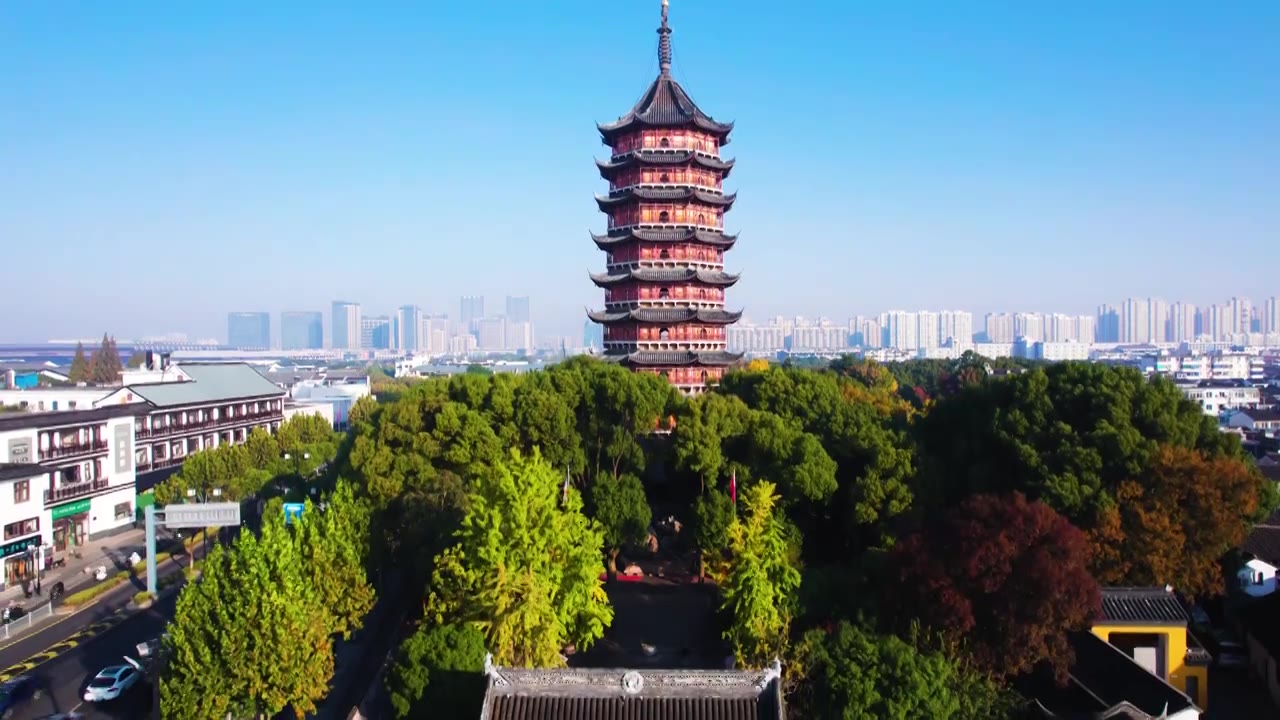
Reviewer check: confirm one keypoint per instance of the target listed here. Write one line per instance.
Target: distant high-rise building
(346, 325)
(1108, 326)
(472, 310)
(900, 330)
(1271, 316)
(491, 333)
(1182, 322)
(301, 330)
(1158, 320)
(927, 329)
(1086, 330)
(1241, 318)
(375, 332)
(1059, 328)
(518, 309)
(249, 330)
(408, 326)
(955, 326)
(434, 334)
(1135, 321)
(999, 327)
(1029, 326)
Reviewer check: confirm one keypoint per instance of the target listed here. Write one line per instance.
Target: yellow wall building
(1150, 626)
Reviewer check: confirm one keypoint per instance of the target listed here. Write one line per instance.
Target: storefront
(70, 525)
(21, 560)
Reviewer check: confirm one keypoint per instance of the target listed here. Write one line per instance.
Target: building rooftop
(1141, 606)
(210, 382)
(620, 694)
(21, 471)
(1263, 541)
(1103, 682)
(65, 418)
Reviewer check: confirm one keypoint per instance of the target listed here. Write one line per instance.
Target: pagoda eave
(662, 158)
(662, 316)
(656, 195)
(721, 240)
(676, 358)
(665, 275)
(630, 123)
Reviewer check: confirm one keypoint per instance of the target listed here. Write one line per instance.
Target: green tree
(104, 364)
(525, 567)
(712, 515)
(760, 590)
(249, 639)
(854, 674)
(333, 543)
(264, 452)
(79, 372)
(436, 673)
(623, 511)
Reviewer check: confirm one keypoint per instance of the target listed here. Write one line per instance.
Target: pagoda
(664, 280)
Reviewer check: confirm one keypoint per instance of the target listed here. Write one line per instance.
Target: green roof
(210, 383)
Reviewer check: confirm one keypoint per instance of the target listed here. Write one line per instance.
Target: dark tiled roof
(666, 315)
(674, 358)
(22, 471)
(666, 236)
(1263, 541)
(663, 157)
(520, 707)
(710, 277)
(645, 194)
(608, 694)
(1262, 415)
(1141, 605)
(1104, 683)
(67, 418)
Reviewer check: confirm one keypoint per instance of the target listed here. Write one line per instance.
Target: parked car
(113, 681)
(16, 693)
(1231, 654)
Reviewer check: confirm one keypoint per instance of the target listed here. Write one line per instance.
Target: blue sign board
(292, 511)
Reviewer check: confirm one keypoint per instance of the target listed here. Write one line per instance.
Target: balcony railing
(142, 466)
(53, 453)
(68, 492)
(180, 429)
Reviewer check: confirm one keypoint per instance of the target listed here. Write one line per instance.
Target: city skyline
(1077, 158)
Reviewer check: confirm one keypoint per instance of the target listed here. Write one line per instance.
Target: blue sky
(164, 163)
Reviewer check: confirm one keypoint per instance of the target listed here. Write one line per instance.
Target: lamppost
(193, 493)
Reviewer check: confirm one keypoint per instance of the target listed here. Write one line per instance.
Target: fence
(26, 622)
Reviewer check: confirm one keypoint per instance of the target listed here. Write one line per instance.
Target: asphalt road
(65, 677)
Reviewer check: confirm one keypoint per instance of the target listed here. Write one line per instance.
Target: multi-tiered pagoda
(665, 281)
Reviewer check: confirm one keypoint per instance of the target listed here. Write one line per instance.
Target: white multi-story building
(71, 477)
(900, 330)
(1182, 322)
(999, 327)
(928, 328)
(491, 333)
(1058, 351)
(1086, 330)
(345, 319)
(1029, 326)
(955, 326)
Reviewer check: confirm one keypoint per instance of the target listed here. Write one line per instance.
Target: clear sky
(164, 163)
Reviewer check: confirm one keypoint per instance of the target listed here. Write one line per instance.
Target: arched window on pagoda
(704, 376)
(665, 178)
(664, 293)
(664, 216)
(703, 332)
(664, 334)
(664, 142)
(702, 218)
(664, 255)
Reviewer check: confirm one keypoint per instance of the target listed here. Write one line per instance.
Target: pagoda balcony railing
(65, 451)
(641, 225)
(669, 185)
(69, 492)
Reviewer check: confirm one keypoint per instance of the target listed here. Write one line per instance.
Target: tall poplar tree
(762, 582)
(79, 371)
(250, 638)
(526, 566)
(333, 544)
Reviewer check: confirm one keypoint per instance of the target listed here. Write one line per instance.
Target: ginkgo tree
(333, 541)
(525, 567)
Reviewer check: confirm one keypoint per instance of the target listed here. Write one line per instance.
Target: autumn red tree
(1003, 578)
(1172, 523)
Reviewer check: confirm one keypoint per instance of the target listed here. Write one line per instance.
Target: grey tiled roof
(665, 104)
(666, 315)
(659, 275)
(667, 236)
(1141, 605)
(1263, 541)
(664, 157)
(533, 707)
(665, 195)
(676, 358)
(67, 418)
(22, 471)
(210, 382)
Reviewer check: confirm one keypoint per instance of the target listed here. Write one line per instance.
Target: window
(664, 255)
(665, 178)
(21, 491)
(71, 404)
(664, 142)
(664, 334)
(123, 510)
(663, 216)
(664, 293)
(21, 528)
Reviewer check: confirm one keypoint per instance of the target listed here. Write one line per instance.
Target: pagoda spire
(664, 43)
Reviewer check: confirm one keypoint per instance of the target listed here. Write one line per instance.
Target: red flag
(733, 487)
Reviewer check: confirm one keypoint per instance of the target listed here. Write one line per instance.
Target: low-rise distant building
(1263, 420)
(1218, 397)
(1261, 555)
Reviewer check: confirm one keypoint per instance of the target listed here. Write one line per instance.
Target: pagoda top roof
(665, 103)
(644, 274)
(666, 315)
(675, 235)
(664, 157)
(665, 194)
(675, 358)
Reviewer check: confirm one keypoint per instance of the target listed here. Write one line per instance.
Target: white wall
(1257, 578)
(321, 408)
(64, 398)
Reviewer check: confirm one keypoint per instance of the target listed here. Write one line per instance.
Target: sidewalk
(113, 552)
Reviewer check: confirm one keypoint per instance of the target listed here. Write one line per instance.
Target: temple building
(664, 280)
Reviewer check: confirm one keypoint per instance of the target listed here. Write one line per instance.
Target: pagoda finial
(664, 43)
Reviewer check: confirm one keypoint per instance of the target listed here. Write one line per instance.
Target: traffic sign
(201, 515)
(293, 511)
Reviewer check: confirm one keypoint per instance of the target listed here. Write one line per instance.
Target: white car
(112, 682)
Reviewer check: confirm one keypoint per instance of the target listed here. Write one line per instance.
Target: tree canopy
(759, 592)
(79, 372)
(436, 673)
(104, 364)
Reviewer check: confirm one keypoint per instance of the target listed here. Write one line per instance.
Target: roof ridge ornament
(664, 43)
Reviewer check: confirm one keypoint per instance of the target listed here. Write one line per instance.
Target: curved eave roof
(661, 275)
(664, 158)
(665, 105)
(665, 315)
(666, 236)
(675, 358)
(657, 195)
